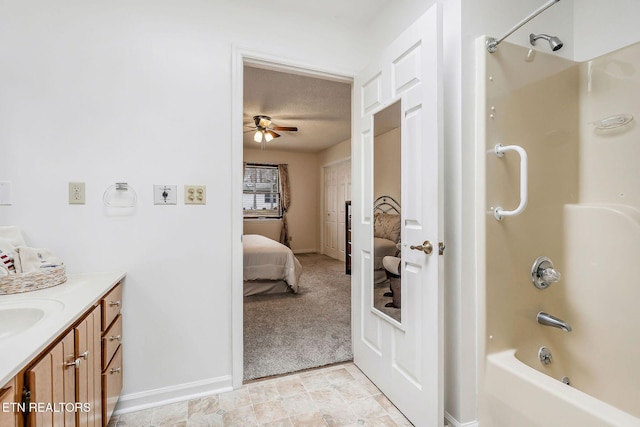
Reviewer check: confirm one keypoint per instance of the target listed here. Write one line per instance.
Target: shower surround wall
(583, 213)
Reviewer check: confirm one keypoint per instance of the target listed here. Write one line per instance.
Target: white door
(404, 360)
(344, 194)
(331, 212)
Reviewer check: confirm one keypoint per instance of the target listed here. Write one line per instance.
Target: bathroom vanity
(61, 353)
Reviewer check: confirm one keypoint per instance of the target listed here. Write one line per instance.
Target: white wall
(139, 91)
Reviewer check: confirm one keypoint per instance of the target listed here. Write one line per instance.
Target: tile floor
(333, 396)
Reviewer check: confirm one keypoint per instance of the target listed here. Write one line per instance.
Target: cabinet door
(7, 399)
(88, 381)
(112, 384)
(52, 382)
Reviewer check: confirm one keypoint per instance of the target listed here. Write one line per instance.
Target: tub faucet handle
(550, 275)
(543, 273)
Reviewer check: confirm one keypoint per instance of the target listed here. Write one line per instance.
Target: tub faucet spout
(549, 320)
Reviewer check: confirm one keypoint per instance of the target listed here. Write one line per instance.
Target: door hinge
(441, 248)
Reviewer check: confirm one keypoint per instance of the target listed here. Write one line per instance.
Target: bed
(269, 267)
(386, 233)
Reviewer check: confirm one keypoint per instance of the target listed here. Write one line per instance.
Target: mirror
(386, 211)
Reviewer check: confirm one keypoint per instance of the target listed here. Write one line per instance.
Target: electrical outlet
(76, 193)
(195, 195)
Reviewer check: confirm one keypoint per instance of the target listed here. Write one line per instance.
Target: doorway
(302, 160)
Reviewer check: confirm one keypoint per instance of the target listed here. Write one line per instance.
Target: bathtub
(520, 396)
(598, 296)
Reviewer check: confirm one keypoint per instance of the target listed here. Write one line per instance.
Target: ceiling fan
(265, 131)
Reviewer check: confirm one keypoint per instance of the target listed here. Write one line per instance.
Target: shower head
(554, 42)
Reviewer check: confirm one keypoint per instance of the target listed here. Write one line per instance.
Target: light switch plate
(165, 194)
(195, 194)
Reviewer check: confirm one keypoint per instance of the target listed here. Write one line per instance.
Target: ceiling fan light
(269, 135)
(264, 122)
(257, 137)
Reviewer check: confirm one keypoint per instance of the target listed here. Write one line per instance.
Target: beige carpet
(290, 332)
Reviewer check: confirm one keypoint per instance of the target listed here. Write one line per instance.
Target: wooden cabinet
(111, 351)
(8, 410)
(347, 234)
(73, 383)
(88, 372)
(51, 382)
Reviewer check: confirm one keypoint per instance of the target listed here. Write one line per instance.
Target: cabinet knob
(115, 370)
(115, 338)
(114, 303)
(75, 363)
(84, 355)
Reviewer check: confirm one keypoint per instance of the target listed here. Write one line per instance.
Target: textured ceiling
(320, 109)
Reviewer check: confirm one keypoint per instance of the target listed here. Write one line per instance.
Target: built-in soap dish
(612, 123)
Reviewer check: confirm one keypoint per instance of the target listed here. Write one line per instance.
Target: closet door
(343, 194)
(331, 212)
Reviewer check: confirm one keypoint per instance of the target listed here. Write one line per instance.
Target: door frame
(240, 57)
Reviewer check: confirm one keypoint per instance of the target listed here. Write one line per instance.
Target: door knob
(426, 247)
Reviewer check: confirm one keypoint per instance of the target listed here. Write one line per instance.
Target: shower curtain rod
(492, 44)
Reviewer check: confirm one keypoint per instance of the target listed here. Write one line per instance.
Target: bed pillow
(386, 226)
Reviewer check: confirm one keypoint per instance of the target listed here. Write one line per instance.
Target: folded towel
(7, 257)
(33, 259)
(6, 264)
(12, 234)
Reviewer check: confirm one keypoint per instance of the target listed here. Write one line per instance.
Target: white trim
(240, 56)
(455, 423)
(166, 395)
(306, 251)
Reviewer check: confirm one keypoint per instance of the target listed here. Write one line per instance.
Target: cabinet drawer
(111, 306)
(111, 340)
(111, 385)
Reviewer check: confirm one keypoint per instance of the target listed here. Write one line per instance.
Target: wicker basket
(44, 278)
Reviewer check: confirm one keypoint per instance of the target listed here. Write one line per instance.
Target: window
(261, 191)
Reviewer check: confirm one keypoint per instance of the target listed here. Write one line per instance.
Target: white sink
(19, 316)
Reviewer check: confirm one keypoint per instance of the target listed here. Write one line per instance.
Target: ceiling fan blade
(285, 128)
(272, 133)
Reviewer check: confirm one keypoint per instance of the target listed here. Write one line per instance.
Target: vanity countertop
(62, 305)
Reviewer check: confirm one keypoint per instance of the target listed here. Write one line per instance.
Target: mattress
(267, 260)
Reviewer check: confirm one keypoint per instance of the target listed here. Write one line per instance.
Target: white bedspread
(267, 259)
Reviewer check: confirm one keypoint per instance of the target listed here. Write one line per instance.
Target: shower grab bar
(500, 149)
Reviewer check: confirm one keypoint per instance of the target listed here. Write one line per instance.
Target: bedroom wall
(140, 91)
(305, 189)
(335, 153)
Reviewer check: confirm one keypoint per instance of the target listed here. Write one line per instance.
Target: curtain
(285, 201)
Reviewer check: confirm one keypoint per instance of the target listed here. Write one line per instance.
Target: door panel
(404, 359)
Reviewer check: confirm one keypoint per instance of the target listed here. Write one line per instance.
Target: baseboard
(305, 251)
(455, 423)
(163, 396)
